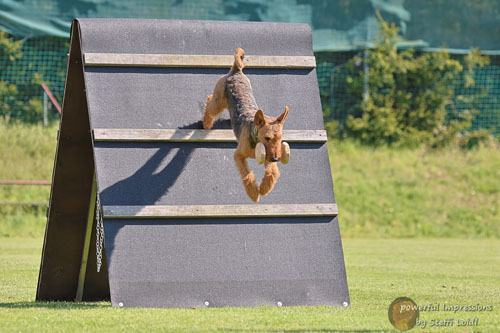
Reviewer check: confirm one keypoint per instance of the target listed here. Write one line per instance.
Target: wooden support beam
(196, 61)
(194, 135)
(217, 211)
(86, 244)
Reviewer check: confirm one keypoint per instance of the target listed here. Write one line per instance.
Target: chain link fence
(483, 96)
(43, 60)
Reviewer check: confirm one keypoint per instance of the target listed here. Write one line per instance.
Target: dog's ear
(283, 116)
(259, 118)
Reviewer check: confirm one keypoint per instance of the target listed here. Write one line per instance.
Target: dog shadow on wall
(152, 181)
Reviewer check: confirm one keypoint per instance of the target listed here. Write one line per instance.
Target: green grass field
(444, 271)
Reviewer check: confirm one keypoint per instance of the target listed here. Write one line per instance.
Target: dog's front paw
(251, 187)
(208, 122)
(266, 186)
(270, 178)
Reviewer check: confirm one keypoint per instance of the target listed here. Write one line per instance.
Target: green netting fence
(44, 61)
(483, 96)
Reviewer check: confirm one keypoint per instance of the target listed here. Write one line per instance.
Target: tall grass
(27, 153)
(27, 150)
(387, 192)
(381, 192)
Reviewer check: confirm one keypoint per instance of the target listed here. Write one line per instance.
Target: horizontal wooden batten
(216, 211)
(196, 61)
(195, 135)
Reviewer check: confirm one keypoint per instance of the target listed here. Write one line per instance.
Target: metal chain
(99, 233)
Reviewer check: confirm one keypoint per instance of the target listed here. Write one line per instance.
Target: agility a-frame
(179, 229)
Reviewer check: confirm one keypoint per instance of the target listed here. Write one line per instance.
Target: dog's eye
(267, 138)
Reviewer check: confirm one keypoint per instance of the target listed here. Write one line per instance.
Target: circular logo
(403, 313)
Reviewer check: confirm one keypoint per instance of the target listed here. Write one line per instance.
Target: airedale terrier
(234, 92)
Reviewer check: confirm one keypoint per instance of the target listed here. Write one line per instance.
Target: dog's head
(270, 133)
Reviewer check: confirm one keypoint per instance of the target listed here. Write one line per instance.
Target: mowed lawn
(429, 271)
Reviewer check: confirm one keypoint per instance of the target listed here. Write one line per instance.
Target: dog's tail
(238, 64)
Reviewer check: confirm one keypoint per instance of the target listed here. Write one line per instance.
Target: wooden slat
(207, 211)
(195, 135)
(186, 60)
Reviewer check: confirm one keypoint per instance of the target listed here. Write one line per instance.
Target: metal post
(45, 109)
(366, 76)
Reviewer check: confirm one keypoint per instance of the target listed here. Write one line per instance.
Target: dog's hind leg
(271, 176)
(215, 104)
(247, 176)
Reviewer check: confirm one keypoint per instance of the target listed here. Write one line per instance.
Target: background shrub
(402, 95)
(12, 105)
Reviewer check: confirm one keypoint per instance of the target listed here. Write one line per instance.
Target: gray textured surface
(175, 97)
(204, 173)
(195, 37)
(245, 262)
